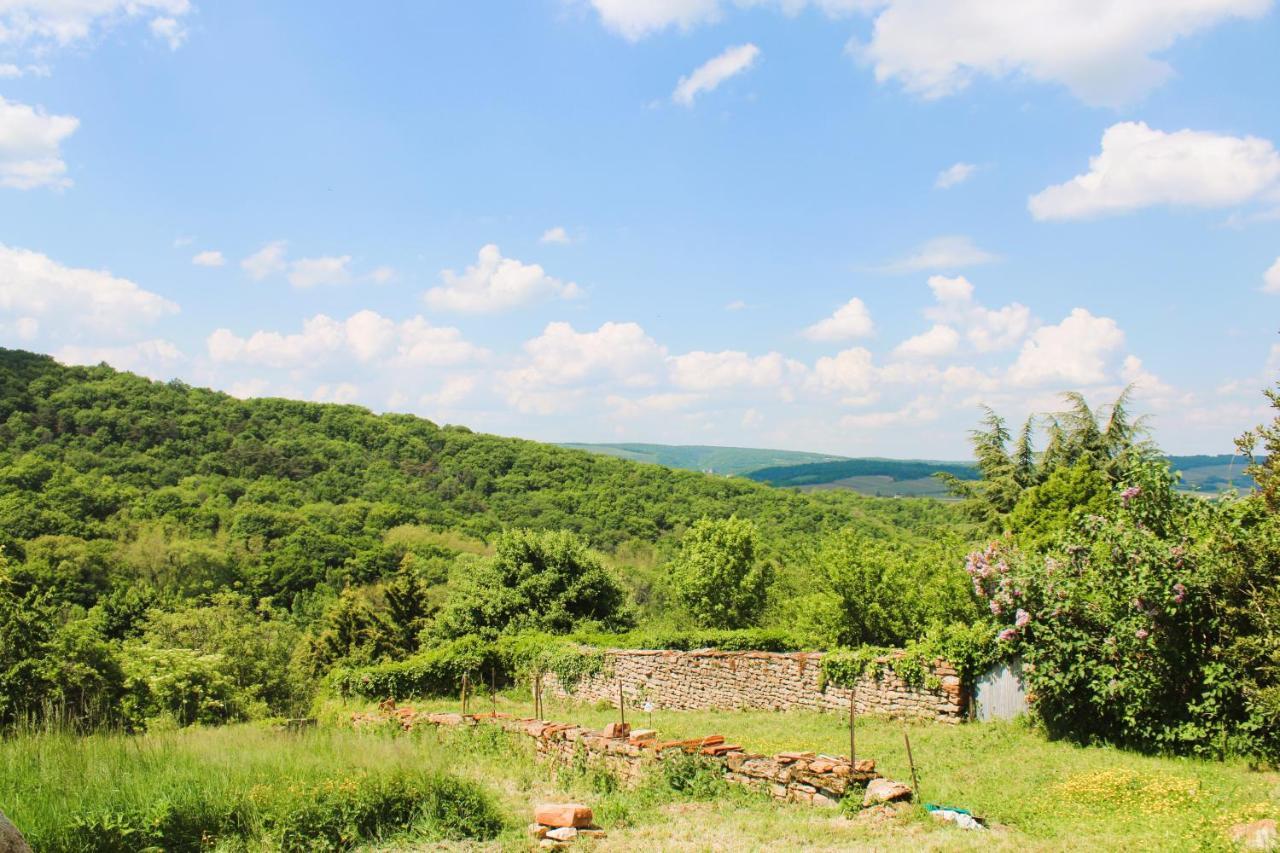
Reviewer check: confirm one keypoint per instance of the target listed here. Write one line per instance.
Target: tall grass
(196, 788)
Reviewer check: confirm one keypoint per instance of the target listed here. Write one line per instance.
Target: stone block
(563, 815)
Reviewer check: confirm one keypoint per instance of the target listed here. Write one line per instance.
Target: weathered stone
(11, 840)
(592, 832)
(617, 730)
(885, 791)
(1258, 835)
(563, 814)
(643, 735)
(562, 833)
(537, 830)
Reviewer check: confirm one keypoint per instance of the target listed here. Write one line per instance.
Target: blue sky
(834, 225)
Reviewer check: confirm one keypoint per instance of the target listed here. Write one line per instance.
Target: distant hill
(694, 457)
(1204, 474)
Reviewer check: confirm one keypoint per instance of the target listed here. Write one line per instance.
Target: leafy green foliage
(535, 581)
(718, 576)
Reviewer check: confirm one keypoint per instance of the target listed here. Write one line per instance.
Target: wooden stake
(493, 690)
(853, 756)
(915, 783)
(464, 694)
(622, 705)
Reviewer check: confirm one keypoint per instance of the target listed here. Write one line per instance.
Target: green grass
(63, 790)
(236, 787)
(1046, 795)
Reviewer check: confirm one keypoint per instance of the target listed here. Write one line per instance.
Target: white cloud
(452, 391)
(1072, 353)
(635, 19)
(986, 329)
(717, 371)
(850, 372)
(942, 253)
(268, 260)
(365, 336)
(311, 272)
(555, 235)
(851, 320)
(1149, 388)
(155, 358)
(10, 71)
(169, 30)
(30, 147)
(1103, 51)
(35, 286)
(495, 283)
(919, 410)
(340, 392)
(1271, 278)
(563, 356)
(940, 340)
(735, 305)
(210, 258)
(953, 175)
(41, 24)
(1140, 167)
(629, 408)
(382, 275)
(709, 75)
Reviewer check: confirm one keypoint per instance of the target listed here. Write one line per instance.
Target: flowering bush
(1138, 628)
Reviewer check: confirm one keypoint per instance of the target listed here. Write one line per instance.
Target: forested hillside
(152, 529)
(729, 461)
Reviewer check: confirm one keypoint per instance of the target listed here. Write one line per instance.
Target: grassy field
(1044, 795)
(252, 782)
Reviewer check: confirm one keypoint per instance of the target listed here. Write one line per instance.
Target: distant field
(730, 461)
(1203, 474)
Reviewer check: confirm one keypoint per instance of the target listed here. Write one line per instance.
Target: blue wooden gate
(1000, 693)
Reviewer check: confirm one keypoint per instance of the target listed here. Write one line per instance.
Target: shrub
(718, 576)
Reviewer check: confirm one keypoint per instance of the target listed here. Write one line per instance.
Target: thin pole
(622, 705)
(915, 783)
(493, 690)
(464, 694)
(853, 755)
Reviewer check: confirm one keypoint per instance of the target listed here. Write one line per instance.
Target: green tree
(718, 575)
(542, 581)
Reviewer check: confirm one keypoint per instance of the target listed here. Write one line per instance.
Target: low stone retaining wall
(712, 680)
(800, 777)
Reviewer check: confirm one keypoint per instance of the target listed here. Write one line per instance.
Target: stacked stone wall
(715, 680)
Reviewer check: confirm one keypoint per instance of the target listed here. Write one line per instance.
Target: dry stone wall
(798, 777)
(708, 679)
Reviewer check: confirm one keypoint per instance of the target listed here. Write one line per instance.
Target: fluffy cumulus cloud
(709, 75)
(1103, 51)
(985, 329)
(30, 146)
(850, 373)
(1271, 278)
(851, 320)
(495, 283)
(561, 355)
(365, 337)
(156, 358)
(954, 175)
(67, 300)
(938, 341)
(41, 24)
(1071, 354)
(942, 253)
(1140, 167)
(719, 371)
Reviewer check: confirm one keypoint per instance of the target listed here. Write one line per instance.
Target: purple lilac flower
(1021, 619)
(1006, 635)
(1179, 593)
(1142, 633)
(995, 607)
(1130, 493)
